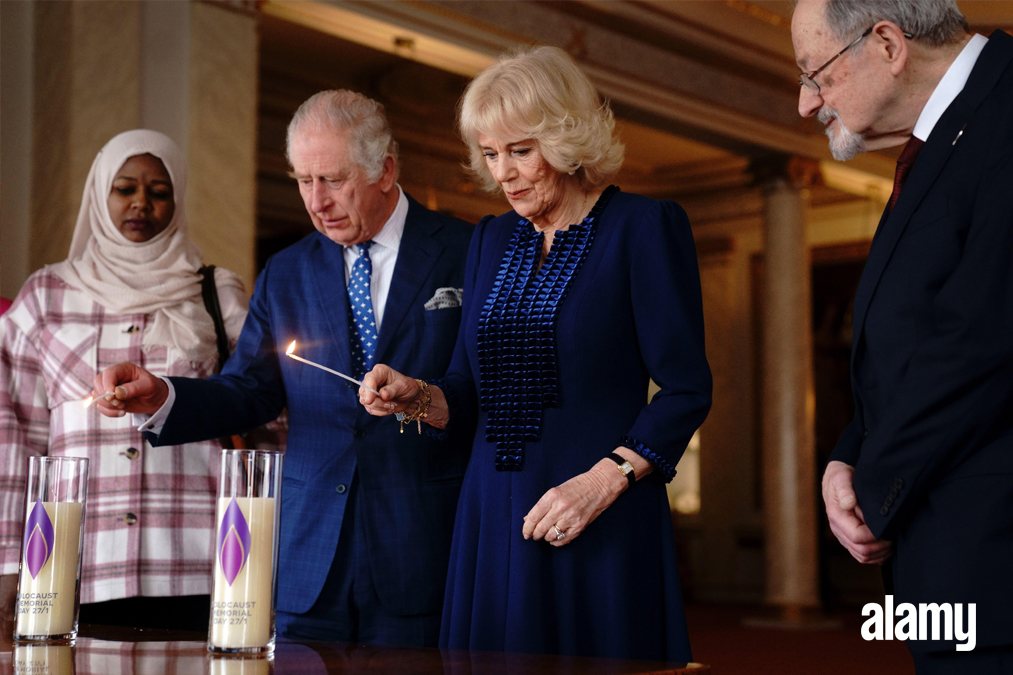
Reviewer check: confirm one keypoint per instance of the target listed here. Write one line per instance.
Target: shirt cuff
(153, 423)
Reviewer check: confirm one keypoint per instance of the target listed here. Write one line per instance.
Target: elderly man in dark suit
(367, 512)
(922, 479)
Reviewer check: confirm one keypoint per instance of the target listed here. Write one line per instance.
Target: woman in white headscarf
(130, 290)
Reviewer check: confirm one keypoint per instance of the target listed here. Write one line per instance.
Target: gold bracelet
(421, 408)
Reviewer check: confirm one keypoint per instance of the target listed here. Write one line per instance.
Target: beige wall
(223, 137)
(86, 90)
(726, 570)
(17, 37)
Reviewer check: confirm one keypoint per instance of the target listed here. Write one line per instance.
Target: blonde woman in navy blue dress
(573, 300)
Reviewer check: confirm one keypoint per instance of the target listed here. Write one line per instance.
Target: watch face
(625, 467)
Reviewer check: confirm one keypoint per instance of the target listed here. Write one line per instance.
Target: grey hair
(937, 22)
(370, 138)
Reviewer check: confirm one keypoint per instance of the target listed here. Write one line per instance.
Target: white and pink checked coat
(150, 511)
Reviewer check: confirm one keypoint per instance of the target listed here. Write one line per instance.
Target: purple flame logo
(233, 542)
(39, 538)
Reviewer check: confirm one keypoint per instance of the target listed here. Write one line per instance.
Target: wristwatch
(624, 466)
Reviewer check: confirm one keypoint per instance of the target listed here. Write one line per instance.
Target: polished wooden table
(102, 650)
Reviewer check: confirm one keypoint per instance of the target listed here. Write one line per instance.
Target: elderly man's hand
(135, 391)
(846, 519)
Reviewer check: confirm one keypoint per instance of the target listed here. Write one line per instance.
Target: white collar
(949, 87)
(389, 235)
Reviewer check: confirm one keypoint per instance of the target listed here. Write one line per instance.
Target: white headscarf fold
(158, 276)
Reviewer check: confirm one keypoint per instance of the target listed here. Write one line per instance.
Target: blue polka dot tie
(363, 321)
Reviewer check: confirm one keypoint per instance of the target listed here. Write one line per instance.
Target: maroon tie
(904, 163)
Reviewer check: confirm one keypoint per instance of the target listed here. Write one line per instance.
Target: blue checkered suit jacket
(408, 484)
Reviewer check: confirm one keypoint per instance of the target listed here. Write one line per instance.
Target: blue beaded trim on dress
(660, 463)
(518, 374)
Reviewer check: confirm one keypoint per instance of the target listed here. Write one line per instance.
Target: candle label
(233, 542)
(241, 610)
(39, 539)
(49, 566)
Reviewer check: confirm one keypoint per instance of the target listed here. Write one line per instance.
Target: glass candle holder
(246, 553)
(49, 582)
(44, 659)
(240, 665)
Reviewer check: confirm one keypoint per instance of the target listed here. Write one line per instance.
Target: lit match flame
(91, 399)
(291, 349)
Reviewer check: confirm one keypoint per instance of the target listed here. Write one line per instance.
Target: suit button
(888, 502)
(865, 434)
(359, 433)
(898, 483)
(894, 492)
(341, 489)
(132, 453)
(129, 519)
(885, 510)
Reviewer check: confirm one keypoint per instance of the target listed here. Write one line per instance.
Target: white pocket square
(445, 298)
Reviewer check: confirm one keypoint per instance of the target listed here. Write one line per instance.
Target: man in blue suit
(922, 479)
(367, 512)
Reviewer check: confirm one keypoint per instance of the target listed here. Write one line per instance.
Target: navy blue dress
(555, 365)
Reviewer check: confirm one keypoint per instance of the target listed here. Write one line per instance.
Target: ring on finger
(559, 533)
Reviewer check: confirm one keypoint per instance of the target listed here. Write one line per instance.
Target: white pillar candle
(244, 565)
(46, 593)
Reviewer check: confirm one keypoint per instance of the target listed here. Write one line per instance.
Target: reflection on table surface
(143, 652)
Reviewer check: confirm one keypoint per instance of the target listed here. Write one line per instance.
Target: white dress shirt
(383, 255)
(949, 87)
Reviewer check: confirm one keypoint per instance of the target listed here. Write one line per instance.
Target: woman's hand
(572, 506)
(398, 392)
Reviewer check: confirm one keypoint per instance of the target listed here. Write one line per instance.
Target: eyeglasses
(808, 80)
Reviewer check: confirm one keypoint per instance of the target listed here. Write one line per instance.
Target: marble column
(789, 471)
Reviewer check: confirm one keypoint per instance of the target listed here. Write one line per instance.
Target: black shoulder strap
(209, 291)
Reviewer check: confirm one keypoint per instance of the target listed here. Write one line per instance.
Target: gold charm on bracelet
(421, 408)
